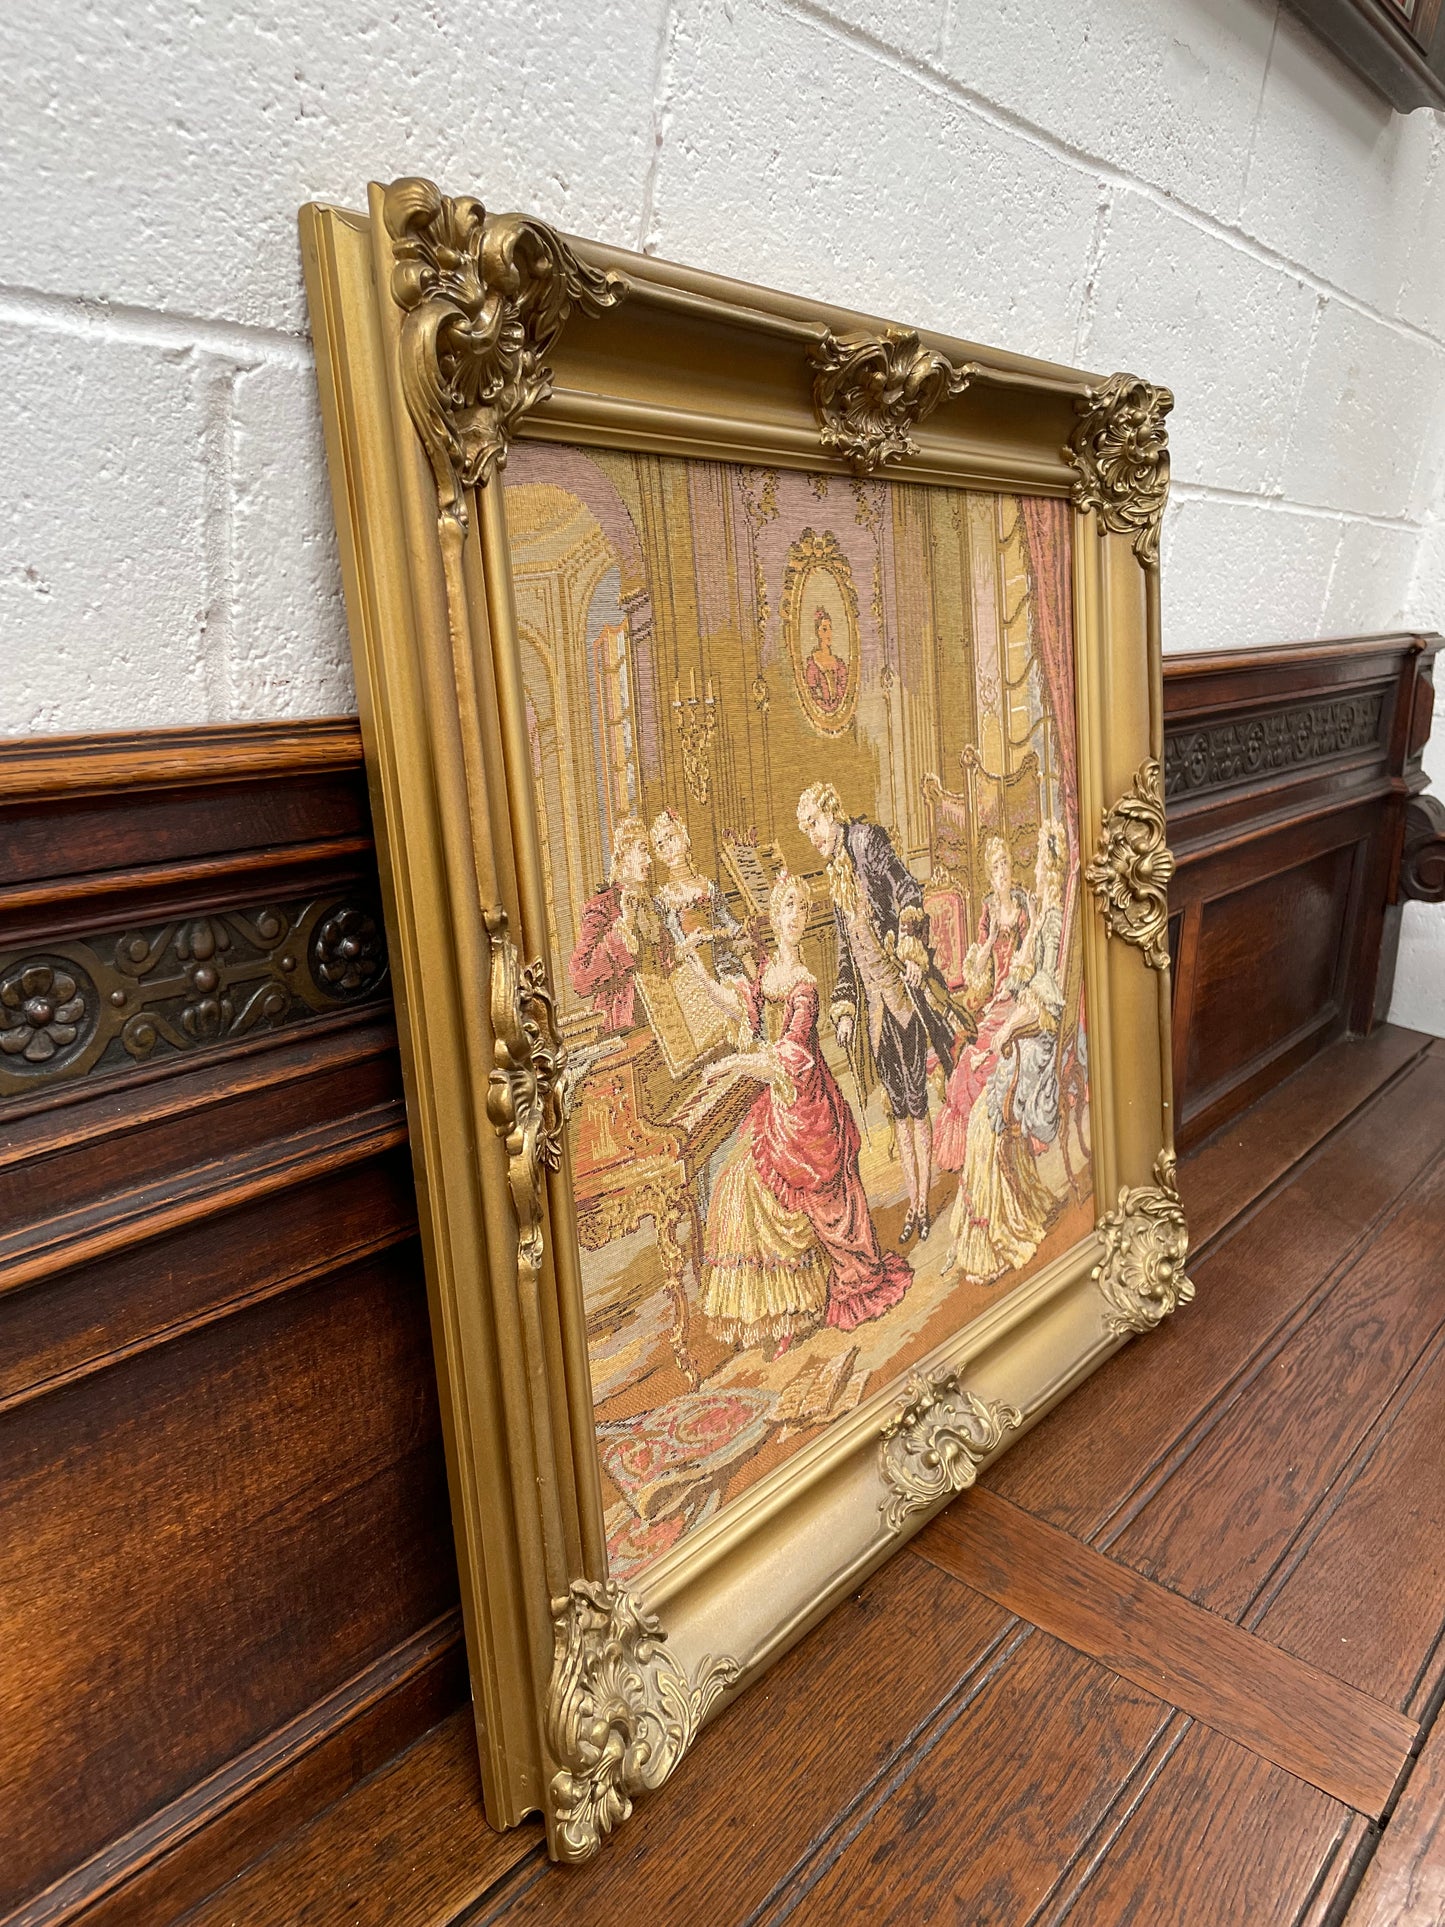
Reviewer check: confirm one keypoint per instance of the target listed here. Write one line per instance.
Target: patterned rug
(688, 1444)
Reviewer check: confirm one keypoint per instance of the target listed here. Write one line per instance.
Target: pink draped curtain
(1046, 535)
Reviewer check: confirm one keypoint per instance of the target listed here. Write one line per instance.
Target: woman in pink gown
(790, 1241)
(1001, 930)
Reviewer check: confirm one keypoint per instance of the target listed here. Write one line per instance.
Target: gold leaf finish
(1120, 448)
(620, 1712)
(935, 1442)
(485, 298)
(1146, 1242)
(869, 391)
(524, 1089)
(1129, 871)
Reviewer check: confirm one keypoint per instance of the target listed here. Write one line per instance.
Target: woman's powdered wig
(629, 834)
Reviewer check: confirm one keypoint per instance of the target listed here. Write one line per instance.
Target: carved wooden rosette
(485, 298)
(869, 391)
(620, 1712)
(1130, 869)
(524, 1090)
(1120, 448)
(935, 1442)
(1146, 1242)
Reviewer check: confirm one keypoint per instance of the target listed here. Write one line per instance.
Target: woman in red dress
(790, 1242)
(1002, 927)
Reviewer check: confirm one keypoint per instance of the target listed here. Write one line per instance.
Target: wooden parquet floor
(1176, 1661)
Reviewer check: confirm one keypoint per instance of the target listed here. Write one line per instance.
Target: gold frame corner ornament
(621, 1712)
(1120, 449)
(934, 1444)
(485, 297)
(870, 391)
(1146, 1242)
(1132, 864)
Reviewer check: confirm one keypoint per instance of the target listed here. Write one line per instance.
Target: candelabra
(696, 719)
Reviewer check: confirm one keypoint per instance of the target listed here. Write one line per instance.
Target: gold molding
(485, 298)
(436, 641)
(525, 1089)
(1120, 448)
(1130, 869)
(620, 1711)
(1146, 1242)
(870, 390)
(935, 1442)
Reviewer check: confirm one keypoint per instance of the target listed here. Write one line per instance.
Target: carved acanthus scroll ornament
(1120, 449)
(524, 1091)
(621, 1712)
(870, 391)
(485, 297)
(935, 1442)
(1131, 867)
(1422, 858)
(1146, 1242)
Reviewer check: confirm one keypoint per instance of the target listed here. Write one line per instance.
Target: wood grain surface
(1314, 1726)
(1219, 1526)
(1404, 1885)
(1220, 1838)
(225, 1562)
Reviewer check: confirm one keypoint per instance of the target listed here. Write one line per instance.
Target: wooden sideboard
(226, 1571)
(1293, 786)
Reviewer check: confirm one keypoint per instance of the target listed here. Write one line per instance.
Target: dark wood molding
(1399, 51)
(174, 1858)
(218, 1427)
(1292, 773)
(1422, 856)
(53, 768)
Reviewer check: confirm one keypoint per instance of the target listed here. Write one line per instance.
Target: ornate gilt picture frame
(762, 711)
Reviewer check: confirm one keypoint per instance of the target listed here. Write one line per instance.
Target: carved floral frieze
(99, 1004)
(1232, 751)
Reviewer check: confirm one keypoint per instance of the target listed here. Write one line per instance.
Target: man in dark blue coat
(885, 974)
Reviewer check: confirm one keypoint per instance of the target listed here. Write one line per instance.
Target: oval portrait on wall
(820, 624)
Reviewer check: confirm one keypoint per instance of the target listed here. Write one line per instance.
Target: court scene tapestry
(805, 760)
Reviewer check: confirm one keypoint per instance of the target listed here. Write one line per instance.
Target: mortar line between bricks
(1286, 505)
(1258, 110)
(88, 316)
(1008, 120)
(661, 120)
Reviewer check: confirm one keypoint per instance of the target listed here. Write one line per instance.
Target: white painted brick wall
(1195, 189)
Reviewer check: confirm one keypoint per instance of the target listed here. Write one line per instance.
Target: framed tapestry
(762, 709)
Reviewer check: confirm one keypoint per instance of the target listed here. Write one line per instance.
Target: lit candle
(692, 685)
